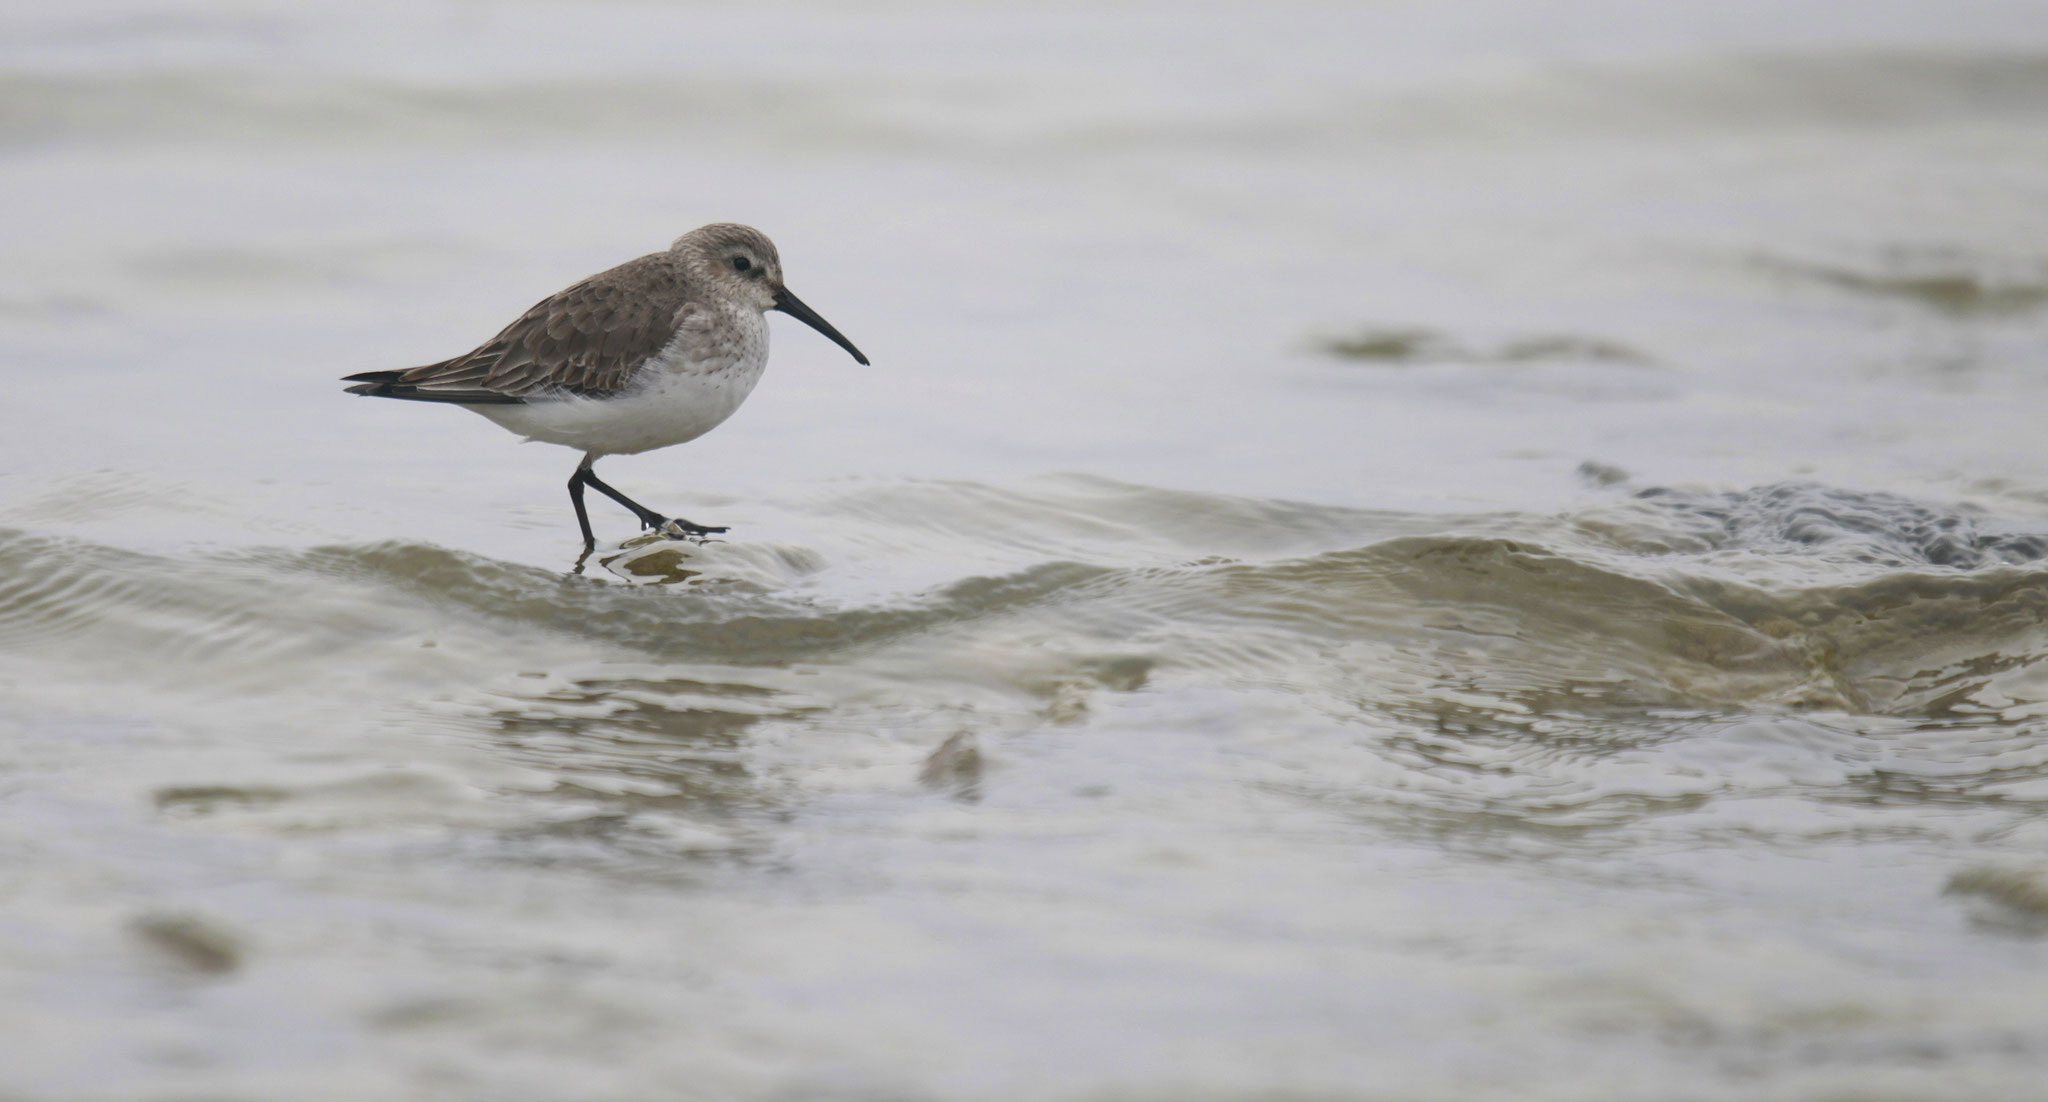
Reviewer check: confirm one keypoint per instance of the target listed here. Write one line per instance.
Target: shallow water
(1491, 549)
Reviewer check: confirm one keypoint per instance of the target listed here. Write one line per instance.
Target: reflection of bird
(656, 351)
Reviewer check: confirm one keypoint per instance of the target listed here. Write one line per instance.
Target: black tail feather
(388, 384)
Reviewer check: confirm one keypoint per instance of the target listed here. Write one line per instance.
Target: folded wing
(586, 341)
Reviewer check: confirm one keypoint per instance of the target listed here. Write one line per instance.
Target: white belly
(673, 401)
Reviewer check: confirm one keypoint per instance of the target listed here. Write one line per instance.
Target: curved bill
(794, 307)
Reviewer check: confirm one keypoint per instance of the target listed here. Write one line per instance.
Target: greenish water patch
(1946, 282)
(1402, 347)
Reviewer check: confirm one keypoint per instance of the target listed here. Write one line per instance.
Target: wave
(208, 101)
(1794, 596)
(1449, 675)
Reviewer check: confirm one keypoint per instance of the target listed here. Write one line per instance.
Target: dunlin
(654, 352)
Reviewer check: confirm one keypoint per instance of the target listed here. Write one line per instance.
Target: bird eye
(741, 264)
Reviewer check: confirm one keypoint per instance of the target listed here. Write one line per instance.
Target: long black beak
(794, 307)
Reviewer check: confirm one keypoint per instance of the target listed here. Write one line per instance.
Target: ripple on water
(1548, 665)
(1650, 704)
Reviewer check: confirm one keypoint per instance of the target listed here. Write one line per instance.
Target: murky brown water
(1483, 550)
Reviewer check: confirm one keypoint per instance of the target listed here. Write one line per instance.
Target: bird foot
(682, 529)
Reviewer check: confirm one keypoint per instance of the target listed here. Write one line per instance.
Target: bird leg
(582, 517)
(584, 476)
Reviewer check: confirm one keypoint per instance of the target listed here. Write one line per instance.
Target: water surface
(1491, 549)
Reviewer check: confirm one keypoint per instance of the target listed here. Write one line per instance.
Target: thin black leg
(582, 518)
(648, 517)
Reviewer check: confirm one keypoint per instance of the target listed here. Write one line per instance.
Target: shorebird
(654, 352)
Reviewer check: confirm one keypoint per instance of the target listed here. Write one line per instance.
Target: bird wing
(587, 340)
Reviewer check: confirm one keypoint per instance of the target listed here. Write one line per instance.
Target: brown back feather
(587, 340)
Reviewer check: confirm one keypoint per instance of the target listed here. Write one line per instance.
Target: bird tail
(391, 384)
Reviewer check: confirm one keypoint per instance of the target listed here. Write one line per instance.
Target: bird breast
(715, 339)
